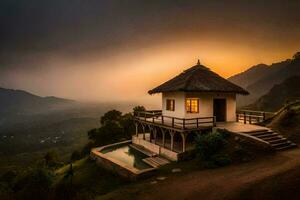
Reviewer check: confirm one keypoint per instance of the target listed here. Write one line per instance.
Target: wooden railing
(252, 116)
(156, 117)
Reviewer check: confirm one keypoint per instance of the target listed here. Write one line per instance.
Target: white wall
(205, 104)
(179, 98)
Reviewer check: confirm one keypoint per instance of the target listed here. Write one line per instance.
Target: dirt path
(221, 183)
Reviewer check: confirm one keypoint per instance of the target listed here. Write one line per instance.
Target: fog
(104, 51)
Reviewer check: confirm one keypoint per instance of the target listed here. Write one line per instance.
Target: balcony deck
(238, 127)
(179, 124)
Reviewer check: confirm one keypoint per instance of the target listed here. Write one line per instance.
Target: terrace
(155, 117)
(177, 134)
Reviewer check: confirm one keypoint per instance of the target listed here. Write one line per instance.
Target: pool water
(128, 155)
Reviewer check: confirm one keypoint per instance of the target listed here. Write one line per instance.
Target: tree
(111, 116)
(75, 156)
(296, 56)
(36, 184)
(127, 125)
(51, 159)
(138, 109)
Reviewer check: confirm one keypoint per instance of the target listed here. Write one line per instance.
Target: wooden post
(172, 140)
(164, 138)
(245, 118)
(136, 129)
(214, 121)
(250, 119)
(183, 123)
(162, 119)
(144, 133)
(173, 122)
(264, 116)
(154, 134)
(237, 117)
(197, 121)
(183, 142)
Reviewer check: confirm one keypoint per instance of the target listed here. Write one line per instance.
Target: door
(220, 110)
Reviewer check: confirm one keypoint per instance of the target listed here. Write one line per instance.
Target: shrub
(75, 155)
(35, 184)
(210, 144)
(209, 147)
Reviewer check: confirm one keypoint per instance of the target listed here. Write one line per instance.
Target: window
(192, 105)
(170, 104)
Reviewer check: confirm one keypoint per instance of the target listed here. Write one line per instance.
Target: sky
(117, 50)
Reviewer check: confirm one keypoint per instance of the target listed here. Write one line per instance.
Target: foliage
(138, 109)
(51, 159)
(34, 184)
(296, 56)
(76, 155)
(113, 116)
(209, 148)
(115, 127)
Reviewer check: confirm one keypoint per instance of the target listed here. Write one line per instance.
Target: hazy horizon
(102, 51)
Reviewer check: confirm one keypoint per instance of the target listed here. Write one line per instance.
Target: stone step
(264, 137)
(276, 140)
(150, 162)
(261, 133)
(143, 150)
(256, 131)
(270, 138)
(280, 144)
(161, 160)
(292, 145)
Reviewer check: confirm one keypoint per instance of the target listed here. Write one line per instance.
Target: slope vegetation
(279, 95)
(287, 122)
(258, 80)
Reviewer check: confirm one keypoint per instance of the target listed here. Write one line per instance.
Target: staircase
(143, 150)
(277, 141)
(156, 161)
(153, 160)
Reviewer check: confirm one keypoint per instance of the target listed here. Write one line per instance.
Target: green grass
(91, 179)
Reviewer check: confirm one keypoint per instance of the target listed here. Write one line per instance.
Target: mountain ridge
(16, 101)
(259, 79)
(279, 95)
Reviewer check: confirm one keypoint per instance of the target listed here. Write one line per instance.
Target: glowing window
(192, 105)
(170, 105)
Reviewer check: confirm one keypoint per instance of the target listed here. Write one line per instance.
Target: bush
(75, 156)
(210, 144)
(209, 147)
(35, 184)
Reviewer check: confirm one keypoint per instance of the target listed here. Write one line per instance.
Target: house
(193, 101)
(199, 92)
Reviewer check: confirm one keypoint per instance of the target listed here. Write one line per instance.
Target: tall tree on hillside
(113, 116)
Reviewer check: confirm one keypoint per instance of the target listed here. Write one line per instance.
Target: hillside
(31, 125)
(251, 75)
(22, 102)
(279, 95)
(287, 122)
(258, 80)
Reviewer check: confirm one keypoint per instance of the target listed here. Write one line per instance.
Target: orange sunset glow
(124, 65)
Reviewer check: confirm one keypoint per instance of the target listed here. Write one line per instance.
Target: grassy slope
(274, 176)
(90, 180)
(231, 182)
(287, 122)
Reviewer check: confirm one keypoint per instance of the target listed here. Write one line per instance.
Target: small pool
(127, 155)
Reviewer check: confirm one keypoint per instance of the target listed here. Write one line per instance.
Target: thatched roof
(199, 79)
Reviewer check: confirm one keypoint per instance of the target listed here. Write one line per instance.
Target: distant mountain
(258, 80)
(19, 101)
(288, 90)
(250, 76)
